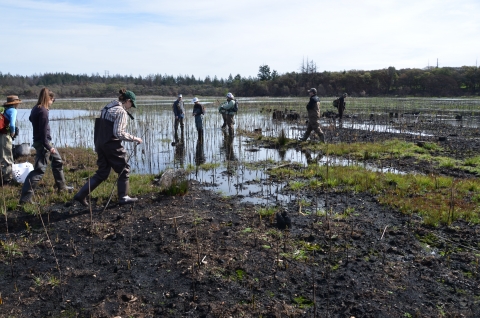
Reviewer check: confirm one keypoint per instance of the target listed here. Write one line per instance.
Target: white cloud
(230, 37)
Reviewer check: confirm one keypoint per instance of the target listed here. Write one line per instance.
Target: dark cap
(313, 90)
(131, 96)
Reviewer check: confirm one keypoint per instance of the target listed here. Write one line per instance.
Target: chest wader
(314, 124)
(111, 155)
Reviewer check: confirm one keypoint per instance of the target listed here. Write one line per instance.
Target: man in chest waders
(313, 109)
(108, 136)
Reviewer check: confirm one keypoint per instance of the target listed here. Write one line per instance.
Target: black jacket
(313, 101)
(41, 126)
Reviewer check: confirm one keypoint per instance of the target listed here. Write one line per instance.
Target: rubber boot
(122, 186)
(305, 136)
(88, 187)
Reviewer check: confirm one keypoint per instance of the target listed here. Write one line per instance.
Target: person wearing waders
(313, 109)
(108, 136)
(179, 112)
(198, 112)
(341, 105)
(42, 142)
(7, 134)
(227, 111)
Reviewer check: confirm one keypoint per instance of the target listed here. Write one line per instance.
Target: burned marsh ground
(400, 240)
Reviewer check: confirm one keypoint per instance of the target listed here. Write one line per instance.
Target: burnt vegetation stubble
(209, 256)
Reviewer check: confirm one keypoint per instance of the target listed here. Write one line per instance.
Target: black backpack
(336, 102)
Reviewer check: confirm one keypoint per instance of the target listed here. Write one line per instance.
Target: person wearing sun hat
(7, 134)
(228, 113)
(108, 136)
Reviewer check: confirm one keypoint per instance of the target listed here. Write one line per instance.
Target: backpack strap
(102, 114)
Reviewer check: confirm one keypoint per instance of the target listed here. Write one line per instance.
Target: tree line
(427, 82)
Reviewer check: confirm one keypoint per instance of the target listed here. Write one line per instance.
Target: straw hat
(12, 100)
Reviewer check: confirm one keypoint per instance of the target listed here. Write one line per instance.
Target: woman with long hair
(42, 142)
(108, 136)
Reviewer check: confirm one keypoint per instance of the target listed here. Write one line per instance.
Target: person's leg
(182, 125)
(320, 134)
(307, 133)
(117, 157)
(224, 117)
(340, 112)
(35, 175)
(230, 124)
(7, 158)
(57, 170)
(100, 175)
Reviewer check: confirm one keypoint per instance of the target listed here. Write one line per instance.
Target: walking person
(7, 134)
(109, 134)
(198, 112)
(42, 142)
(341, 105)
(228, 113)
(313, 109)
(179, 112)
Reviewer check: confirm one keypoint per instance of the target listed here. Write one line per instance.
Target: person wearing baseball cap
(7, 133)
(108, 136)
(313, 109)
(179, 112)
(227, 109)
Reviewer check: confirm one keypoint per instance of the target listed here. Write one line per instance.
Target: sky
(219, 38)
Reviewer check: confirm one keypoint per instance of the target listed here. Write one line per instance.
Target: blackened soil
(202, 255)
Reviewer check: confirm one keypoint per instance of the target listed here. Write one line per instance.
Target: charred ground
(205, 255)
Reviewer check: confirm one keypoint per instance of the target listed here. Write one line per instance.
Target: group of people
(227, 109)
(109, 132)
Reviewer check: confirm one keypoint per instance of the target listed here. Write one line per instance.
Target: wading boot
(127, 200)
(305, 137)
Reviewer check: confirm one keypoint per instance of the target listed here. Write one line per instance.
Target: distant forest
(428, 82)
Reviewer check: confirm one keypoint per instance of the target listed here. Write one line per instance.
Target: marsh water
(72, 121)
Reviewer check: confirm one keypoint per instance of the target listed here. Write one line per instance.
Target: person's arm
(12, 114)
(42, 121)
(229, 105)
(119, 126)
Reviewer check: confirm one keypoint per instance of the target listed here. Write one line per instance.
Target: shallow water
(154, 124)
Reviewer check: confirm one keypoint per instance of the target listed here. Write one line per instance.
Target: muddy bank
(202, 255)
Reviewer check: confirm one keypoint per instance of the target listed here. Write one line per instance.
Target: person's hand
(138, 140)
(176, 117)
(52, 151)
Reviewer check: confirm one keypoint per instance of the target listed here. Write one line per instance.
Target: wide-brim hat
(195, 99)
(12, 100)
